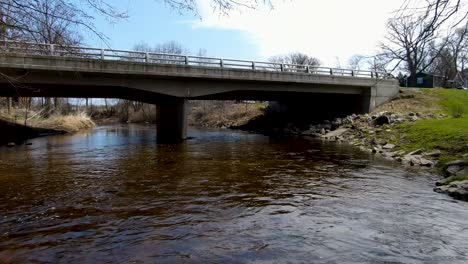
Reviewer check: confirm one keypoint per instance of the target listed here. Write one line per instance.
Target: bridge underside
(172, 111)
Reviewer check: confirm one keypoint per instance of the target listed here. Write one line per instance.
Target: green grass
(453, 101)
(449, 135)
(455, 178)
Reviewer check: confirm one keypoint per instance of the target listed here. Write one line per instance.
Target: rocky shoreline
(367, 133)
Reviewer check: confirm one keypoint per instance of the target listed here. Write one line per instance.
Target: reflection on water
(112, 195)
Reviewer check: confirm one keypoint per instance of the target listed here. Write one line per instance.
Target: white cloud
(328, 29)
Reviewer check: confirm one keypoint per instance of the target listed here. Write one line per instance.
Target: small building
(427, 80)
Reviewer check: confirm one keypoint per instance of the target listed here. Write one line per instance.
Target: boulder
(453, 170)
(426, 163)
(10, 144)
(458, 167)
(388, 146)
(458, 189)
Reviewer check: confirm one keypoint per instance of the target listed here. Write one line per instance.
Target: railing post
(376, 75)
(282, 67)
(102, 54)
(186, 60)
(352, 73)
(253, 65)
(221, 63)
(331, 71)
(51, 46)
(372, 74)
(146, 57)
(308, 69)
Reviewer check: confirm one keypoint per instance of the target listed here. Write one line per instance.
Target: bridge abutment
(171, 120)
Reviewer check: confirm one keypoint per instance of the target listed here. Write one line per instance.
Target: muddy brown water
(112, 195)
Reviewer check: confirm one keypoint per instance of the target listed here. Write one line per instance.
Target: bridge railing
(163, 58)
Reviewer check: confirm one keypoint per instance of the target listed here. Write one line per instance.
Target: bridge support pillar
(171, 121)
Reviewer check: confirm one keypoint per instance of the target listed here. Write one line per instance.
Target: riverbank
(223, 114)
(15, 130)
(422, 128)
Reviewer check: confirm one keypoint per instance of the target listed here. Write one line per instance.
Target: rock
(399, 153)
(10, 144)
(388, 146)
(434, 154)
(464, 171)
(415, 160)
(337, 122)
(426, 163)
(458, 167)
(453, 170)
(377, 149)
(416, 152)
(461, 163)
(336, 133)
(458, 189)
(322, 131)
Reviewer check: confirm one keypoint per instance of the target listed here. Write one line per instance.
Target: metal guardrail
(163, 58)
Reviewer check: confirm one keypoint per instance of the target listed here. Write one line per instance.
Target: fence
(162, 58)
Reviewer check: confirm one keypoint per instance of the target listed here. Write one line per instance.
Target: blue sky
(331, 30)
(153, 23)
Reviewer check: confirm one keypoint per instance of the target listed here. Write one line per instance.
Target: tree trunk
(9, 103)
(47, 103)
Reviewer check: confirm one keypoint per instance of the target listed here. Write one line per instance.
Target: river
(112, 195)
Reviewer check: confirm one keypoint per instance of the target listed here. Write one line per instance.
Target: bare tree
(435, 13)
(414, 34)
(65, 14)
(169, 47)
(296, 58)
(221, 6)
(458, 46)
(356, 61)
(408, 41)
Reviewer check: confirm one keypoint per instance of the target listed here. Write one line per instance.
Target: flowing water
(112, 195)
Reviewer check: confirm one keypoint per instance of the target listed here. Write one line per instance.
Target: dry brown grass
(68, 123)
(223, 113)
(412, 100)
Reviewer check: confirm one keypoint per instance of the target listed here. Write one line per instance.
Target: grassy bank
(448, 135)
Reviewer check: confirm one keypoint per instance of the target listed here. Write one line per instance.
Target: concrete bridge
(169, 80)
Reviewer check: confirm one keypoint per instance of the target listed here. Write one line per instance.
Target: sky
(331, 30)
